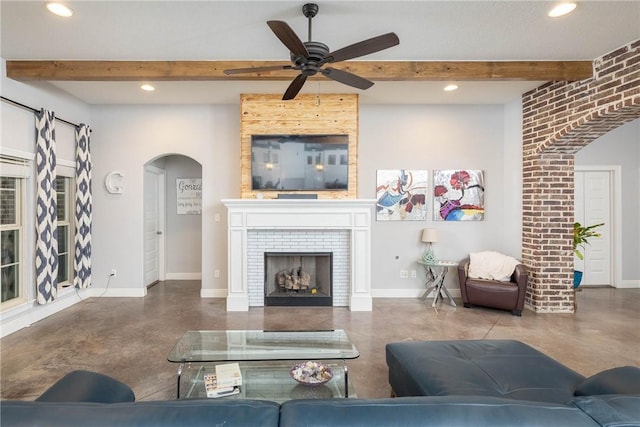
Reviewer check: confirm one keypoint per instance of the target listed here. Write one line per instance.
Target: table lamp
(429, 235)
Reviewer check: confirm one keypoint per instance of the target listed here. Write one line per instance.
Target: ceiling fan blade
(347, 78)
(257, 69)
(294, 87)
(288, 37)
(365, 47)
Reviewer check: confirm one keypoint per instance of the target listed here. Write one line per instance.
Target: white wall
(413, 137)
(621, 147)
(440, 137)
(127, 137)
(512, 181)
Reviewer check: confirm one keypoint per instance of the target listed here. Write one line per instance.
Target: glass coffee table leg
(346, 380)
(179, 377)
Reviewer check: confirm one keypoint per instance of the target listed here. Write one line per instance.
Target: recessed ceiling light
(59, 9)
(450, 88)
(147, 87)
(562, 9)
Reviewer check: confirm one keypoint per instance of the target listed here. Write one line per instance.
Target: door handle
(158, 232)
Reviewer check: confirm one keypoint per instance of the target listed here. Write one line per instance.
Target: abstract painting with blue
(401, 195)
(458, 195)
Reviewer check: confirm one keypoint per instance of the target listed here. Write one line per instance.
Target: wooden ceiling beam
(22, 70)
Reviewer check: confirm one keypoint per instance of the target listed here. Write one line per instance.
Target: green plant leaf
(581, 236)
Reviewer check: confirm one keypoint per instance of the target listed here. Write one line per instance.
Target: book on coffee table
(228, 375)
(214, 391)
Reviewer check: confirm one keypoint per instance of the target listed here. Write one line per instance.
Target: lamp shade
(429, 235)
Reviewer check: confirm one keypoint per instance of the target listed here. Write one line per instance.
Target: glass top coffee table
(267, 357)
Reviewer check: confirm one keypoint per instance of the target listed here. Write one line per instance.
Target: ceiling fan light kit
(309, 57)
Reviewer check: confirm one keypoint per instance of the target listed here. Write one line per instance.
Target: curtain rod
(26, 107)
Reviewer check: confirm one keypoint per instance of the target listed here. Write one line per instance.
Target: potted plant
(581, 236)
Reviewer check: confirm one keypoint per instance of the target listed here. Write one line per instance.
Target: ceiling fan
(310, 57)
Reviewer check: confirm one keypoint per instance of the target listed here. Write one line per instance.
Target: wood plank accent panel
(26, 70)
(306, 114)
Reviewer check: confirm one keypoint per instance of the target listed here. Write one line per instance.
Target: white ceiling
(237, 30)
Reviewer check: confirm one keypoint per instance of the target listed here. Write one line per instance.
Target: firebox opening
(301, 278)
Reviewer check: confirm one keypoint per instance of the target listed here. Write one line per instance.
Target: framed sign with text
(189, 196)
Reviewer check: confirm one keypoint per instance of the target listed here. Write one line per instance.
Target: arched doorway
(560, 118)
(172, 219)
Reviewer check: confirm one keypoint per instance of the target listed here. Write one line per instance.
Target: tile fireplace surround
(285, 225)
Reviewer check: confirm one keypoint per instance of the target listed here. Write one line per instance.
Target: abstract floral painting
(458, 195)
(401, 195)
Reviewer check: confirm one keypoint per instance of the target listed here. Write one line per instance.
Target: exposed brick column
(559, 118)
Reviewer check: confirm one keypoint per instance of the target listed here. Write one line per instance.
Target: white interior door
(593, 205)
(153, 225)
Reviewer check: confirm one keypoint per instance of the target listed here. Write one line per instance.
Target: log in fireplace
(298, 279)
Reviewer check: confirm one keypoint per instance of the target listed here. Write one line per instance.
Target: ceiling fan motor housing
(309, 66)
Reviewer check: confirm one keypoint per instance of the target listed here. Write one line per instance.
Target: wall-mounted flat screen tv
(299, 162)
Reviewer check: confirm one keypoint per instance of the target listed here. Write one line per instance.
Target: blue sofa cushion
(622, 380)
(500, 368)
(86, 386)
(430, 411)
(178, 413)
(612, 410)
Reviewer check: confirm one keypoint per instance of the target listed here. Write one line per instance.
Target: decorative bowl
(311, 373)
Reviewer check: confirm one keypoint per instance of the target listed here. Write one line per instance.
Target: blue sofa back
(175, 413)
(436, 411)
(430, 411)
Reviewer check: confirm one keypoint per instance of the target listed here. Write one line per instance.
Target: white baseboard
(183, 276)
(359, 303)
(117, 292)
(629, 284)
(213, 293)
(406, 293)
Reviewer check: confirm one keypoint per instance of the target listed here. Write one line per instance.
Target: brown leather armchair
(494, 293)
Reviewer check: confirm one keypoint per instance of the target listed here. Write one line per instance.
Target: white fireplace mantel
(300, 214)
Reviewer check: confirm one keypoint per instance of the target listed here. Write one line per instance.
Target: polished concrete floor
(129, 338)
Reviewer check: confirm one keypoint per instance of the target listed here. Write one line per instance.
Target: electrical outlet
(404, 274)
(414, 274)
(113, 273)
(216, 274)
(216, 217)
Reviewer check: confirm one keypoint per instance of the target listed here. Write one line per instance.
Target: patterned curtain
(84, 209)
(46, 213)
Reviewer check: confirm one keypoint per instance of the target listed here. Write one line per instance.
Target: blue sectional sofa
(438, 383)
(499, 368)
(392, 412)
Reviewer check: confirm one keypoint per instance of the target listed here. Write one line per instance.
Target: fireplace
(298, 279)
(341, 227)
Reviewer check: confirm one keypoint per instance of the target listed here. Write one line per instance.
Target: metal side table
(436, 271)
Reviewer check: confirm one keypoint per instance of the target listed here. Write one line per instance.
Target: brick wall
(559, 118)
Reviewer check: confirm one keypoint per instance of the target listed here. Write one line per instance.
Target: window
(65, 231)
(16, 240)
(10, 237)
